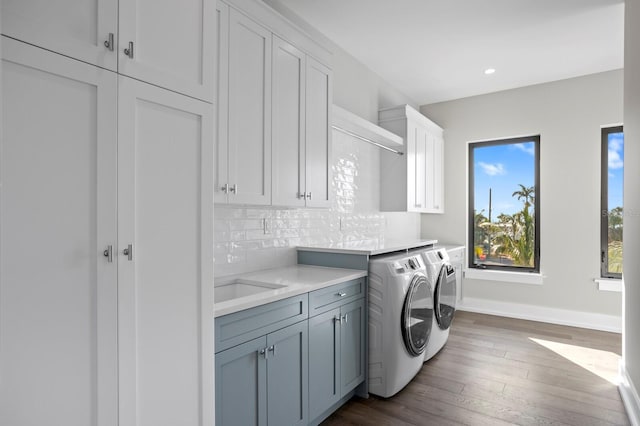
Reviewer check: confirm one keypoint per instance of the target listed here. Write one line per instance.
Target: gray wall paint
(631, 323)
(568, 115)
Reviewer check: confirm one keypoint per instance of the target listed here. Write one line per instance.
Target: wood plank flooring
(503, 371)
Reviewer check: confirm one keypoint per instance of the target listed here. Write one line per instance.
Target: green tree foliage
(511, 236)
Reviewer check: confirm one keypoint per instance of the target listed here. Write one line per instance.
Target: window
(611, 202)
(504, 208)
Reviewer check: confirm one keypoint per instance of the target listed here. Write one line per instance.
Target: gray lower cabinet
(336, 355)
(263, 381)
(277, 366)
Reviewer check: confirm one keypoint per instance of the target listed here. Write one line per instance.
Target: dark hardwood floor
(503, 371)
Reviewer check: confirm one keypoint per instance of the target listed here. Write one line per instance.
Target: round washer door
(417, 315)
(445, 296)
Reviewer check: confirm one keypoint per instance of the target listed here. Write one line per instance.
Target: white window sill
(532, 278)
(609, 284)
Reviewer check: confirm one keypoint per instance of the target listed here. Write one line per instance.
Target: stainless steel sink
(238, 288)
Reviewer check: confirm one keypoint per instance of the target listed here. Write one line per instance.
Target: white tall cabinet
(168, 43)
(106, 246)
(413, 182)
(58, 293)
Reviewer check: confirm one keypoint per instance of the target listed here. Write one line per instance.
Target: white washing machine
(400, 320)
(442, 279)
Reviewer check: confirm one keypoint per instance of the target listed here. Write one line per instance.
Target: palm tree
(527, 193)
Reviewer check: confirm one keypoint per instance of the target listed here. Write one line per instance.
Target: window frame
(604, 201)
(471, 198)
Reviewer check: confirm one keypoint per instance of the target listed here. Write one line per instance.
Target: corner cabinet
(166, 43)
(413, 182)
(273, 134)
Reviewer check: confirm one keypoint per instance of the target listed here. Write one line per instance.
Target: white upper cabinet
(273, 144)
(84, 30)
(289, 156)
(58, 280)
(318, 102)
(413, 182)
(301, 137)
(167, 43)
(244, 120)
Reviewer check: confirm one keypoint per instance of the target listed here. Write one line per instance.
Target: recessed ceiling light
(489, 71)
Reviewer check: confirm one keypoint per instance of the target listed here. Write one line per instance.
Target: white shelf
(350, 123)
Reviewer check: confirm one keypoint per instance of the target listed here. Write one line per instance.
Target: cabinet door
(73, 28)
(413, 164)
(241, 383)
(165, 203)
(318, 134)
(58, 346)
(438, 174)
(324, 362)
(352, 345)
(221, 142)
(423, 169)
(170, 43)
(287, 375)
(249, 134)
(288, 124)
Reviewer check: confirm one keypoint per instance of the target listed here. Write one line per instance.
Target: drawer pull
(341, 294)
(272, 349)
(345, 318)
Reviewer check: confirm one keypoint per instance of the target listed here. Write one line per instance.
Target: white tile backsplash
(241, 244)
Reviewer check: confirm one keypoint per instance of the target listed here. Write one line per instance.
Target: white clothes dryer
(400, 320)
(442, 278)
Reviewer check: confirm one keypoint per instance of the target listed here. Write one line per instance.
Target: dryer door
(417, 315)
(445, 296)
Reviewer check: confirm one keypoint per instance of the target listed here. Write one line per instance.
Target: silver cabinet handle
(263, 352)
(108, 253)
(302, 195)
(345, 318)
(129, 50)
(337, 319)
(341, 294)
(272, 349)
(234, 189)
(108, 43)
(308, 195)
(225, 188)
(128, 252)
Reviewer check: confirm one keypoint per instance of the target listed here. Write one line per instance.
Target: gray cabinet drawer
(330, 297)
(240, 327)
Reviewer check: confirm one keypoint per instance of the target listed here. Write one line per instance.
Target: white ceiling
(436, 50)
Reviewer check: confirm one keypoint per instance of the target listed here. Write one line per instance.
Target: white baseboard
(543, 314)
(630, 396)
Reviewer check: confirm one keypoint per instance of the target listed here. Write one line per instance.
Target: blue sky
(502, 168)
(616, 158)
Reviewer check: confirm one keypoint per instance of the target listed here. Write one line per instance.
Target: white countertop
(296, 280)
(370, 249)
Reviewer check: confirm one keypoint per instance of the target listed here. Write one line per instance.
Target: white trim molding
(609, 284)
(571, 318)
(504, 276)
(630, 396)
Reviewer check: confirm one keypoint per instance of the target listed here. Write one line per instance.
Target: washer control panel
(407, 265)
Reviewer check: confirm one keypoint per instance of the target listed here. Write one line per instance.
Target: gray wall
(631, 337)
(568, 115)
